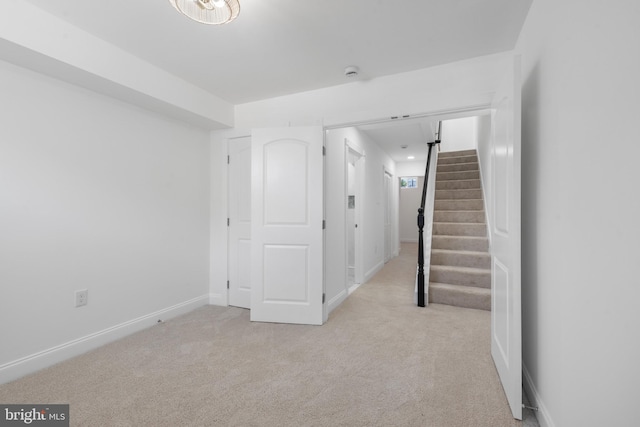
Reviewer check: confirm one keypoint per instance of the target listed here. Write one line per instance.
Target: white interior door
(239, 150)
(506, 340)
(286, 229)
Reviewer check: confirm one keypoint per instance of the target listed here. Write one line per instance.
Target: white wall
(410, 199)
(372, 223)
(100, 195)
(455, 86)
(373, 215)
(411, 168)
(483, 137)
(458, 134)
(580, 210)
(35, 39)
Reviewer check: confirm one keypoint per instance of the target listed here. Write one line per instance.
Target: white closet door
(240, 222)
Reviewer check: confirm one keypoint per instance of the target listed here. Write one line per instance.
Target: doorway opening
(353, 215)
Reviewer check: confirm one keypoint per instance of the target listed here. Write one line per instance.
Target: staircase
(460, 272)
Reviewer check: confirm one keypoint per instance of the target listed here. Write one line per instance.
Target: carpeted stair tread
(458, 153)
(458, 175)
(458, 167)
(472, 243)
(461, 258)
(458, 194)
(458, 184)
(454, 160)
(459, 205)
(464, 276)
(465, 216)
(459, 229)
(461, 296)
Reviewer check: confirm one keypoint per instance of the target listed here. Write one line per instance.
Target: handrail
(421, 302)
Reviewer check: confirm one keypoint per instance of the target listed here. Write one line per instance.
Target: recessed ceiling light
(411, 157)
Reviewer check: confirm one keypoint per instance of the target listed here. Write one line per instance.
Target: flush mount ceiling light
(212, 12)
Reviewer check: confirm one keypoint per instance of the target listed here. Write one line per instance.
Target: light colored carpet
(378, 361)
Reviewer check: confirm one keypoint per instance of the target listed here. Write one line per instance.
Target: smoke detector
(351, 71)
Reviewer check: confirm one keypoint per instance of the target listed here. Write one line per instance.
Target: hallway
(378, 361)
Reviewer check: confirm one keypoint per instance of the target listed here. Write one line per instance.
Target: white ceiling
(391, 137)
(279, 47)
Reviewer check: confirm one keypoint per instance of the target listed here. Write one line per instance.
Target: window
(408, 182)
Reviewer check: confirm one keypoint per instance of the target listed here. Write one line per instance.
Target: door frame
(230, 281)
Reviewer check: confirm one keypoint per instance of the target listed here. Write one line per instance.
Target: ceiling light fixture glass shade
(212, 12)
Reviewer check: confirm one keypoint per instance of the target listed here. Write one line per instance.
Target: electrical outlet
(82, 297)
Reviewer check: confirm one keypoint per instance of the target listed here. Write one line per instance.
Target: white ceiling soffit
(279, 47)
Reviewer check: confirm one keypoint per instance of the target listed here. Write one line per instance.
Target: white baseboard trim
(337, 300)
(43, 359)
(353, 288)
(542, 414)
(218, 299)
(369, 274)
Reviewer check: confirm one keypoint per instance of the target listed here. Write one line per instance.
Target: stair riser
(458, 194)
(453, 229)
(458, 185)
(460, 243)
(459, 299)
(458, 167)
(461, 259)
(459, 216)
(455, 176)
(460, 153)
(454, 160)
(459, 205)
(479, 279)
